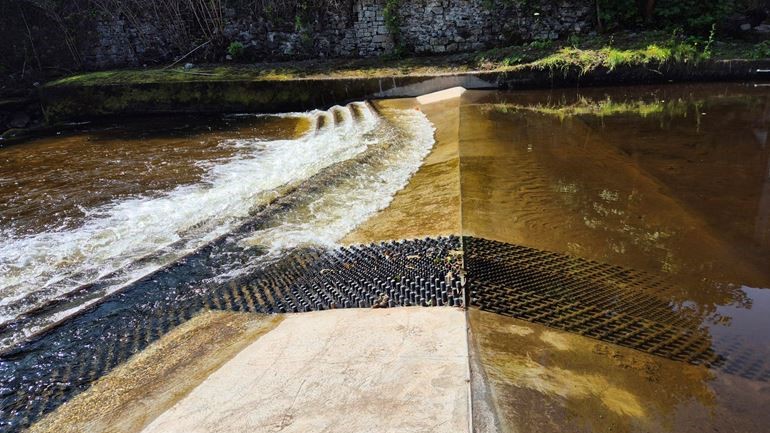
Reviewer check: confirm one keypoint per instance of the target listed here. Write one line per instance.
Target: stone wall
(426, 27)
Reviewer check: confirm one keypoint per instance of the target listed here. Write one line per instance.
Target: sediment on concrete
(127, 398)
(68, 102)
(429, 205)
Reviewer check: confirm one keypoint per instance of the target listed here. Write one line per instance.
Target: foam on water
(113, 238)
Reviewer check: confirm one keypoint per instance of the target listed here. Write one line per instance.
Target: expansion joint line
(466, 293)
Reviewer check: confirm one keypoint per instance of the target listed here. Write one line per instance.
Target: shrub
(235, 50)
(393, 24)
(760, 51)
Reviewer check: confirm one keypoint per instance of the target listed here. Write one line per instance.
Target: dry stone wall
(424, 27)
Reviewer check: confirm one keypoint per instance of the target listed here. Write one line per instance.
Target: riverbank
(620, 59)
(77, 101)
(611, 50)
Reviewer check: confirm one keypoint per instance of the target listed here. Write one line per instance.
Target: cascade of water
(50, 263)
(126, 240)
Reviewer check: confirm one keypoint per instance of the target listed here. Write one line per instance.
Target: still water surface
(671, 182)
(674, 181)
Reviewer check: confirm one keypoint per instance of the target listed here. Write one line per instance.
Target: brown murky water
(672, 181)
(682, 190)
(54, 180)
(110, 204)
(105, 229)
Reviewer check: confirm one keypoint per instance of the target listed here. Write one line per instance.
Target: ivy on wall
(393, 24)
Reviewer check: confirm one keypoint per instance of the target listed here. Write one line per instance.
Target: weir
(560, 267)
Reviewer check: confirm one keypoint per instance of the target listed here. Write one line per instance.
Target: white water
(331, 216)
(115, 236)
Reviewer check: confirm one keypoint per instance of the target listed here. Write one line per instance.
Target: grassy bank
(609, 51)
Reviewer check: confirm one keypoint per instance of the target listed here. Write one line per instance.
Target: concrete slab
(443, 95)
(392, 370)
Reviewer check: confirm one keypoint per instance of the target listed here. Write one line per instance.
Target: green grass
(610, 58)
(206, 73)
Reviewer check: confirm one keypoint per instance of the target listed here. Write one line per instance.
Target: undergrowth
(589, 55)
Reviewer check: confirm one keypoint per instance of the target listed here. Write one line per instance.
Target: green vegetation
(650, 49)
(695, 16)
(760, 51)
(611, 58)
(587, 60)
(235, 50)
(393, 24)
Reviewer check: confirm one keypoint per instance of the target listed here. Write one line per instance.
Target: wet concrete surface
(344, 370)
(151, 382)
(430, 204)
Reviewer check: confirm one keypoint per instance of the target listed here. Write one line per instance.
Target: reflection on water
(660, 190)
(673, 182)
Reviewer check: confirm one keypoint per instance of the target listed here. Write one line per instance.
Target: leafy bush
(541, 44)
(393, 24)
(760, 51)
(235, 50)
